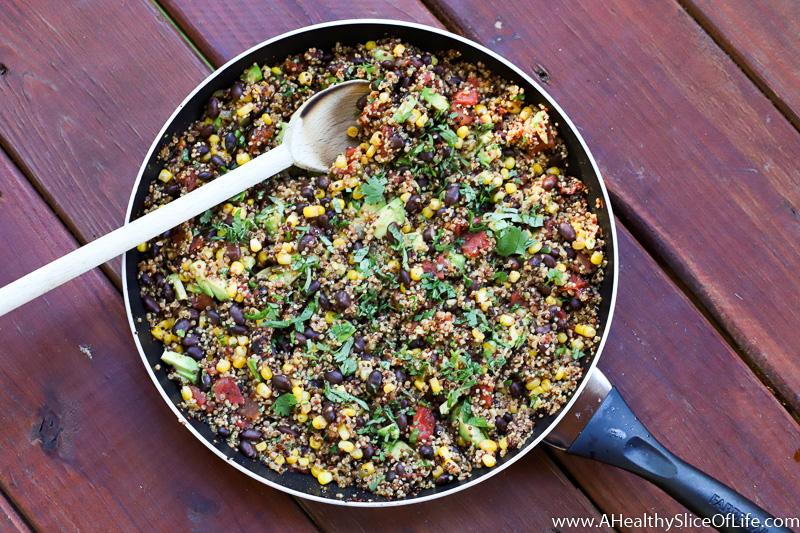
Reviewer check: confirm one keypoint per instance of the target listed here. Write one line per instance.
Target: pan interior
(325, 36)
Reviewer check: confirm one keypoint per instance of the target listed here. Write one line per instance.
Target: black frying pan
(607, 430)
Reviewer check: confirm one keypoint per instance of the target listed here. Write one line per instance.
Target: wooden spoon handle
(143, 229)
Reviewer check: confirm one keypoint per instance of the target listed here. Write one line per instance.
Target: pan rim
(606, 326)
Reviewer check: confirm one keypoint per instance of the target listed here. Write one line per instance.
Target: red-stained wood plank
(86, 440)
(695, 395)
(700, 164)
(524, 497)
(10, 520)
(225, 29)
(763, 38)
(86, 89)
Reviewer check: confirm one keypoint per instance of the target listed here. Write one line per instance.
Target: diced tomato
(178, 235)
(460, 229)
(198, 396)
(227, 389)
(423, 422)
(437, 269)
(578, 282)
(250, 410)
(350, 151)
(426, 78)
(477, 244)
(485, 394)
(464, 117)
(242, 423)
(466, 97)
(518, 299)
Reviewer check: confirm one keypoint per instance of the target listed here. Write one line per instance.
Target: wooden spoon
(315, 135)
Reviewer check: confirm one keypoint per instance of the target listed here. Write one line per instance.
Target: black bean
(173, 189)
(182, 324)
(205, 175)
(426, 59)
(391, 476)
(194, 314)
(392, 231)
(359, 344)
(324, 302)
(536, 260)
(207, 131)
(281, 382)
(515, 389)
(446, 151)
(306, 242)
(549, 182)
(543, 329)
(289, 431)
(575, 304)
(169, 294)
(307, 193)
(151, 304)
(508, 417)
(404, 277)
(361, 103)
(200, 149)
(402, 421)
(236, 91)
(553, 310)
(195, 352)
(212, 109)
(299, 339)
(425, 157)
(237, 314)
(549, 261)
(334, 377)
(313, 287)
(404, 82)
(438, 430)
(343, 300)
(426, 451)
(375, 380)
(238, 330)
(300, 206)
(230, 142)
(544, 290)
(452, 194)
(444, 479)
(388, 64)
(311, 334)
(217, 161)
(205, 380)
(567, 231)
(438, 70)
(223, 432)
(416, 62)
(414, 204)
(396, 142)
(423, 183)
(429, 234)
(190, 340)
(500, 425)
(251, 434)
(401, 378)
(400, 469)
(369, 451)
(212, 317)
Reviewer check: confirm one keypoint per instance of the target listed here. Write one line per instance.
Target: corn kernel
(537, 169)
(506, 320)
(369, 45)
(419, 384)
(223, 366)
(561, 267)
(537, 391)
(554, 170)
(267, 119)
(165, 175)
(552, 208)
(438, 471)
(239, 362)
(279, 460)
(186, 393)
(346, 446)
(245, 109)
(315, 442)
(344, 433)
(546, 385)
(242, 158)
(349, 412)
(284, 258)
(435, 204)
(427, 212)
(371, 151)
(551, 300)
(352, 131)
(562, 337)
(302, 418)
(341, 161)
(596, 258)
(480, 109)
(489, 460)
(303, 461)
(310, 211)
(237, 267)
(143, 247)
(384, 97)
(291, 459)
(509, 163)
(444, 453)
(416, 273)
(276, 70)
(398, 50)
(324, 477)
(415, 114)
(352, 275)
(577, 343)
(304, 78)
(588, 331)
(525, 114)
(368, 468)
(560, 374)
(261, 446)
(499, 195)
(478, 335)
(486, 118)
(462, 132)
(388, 388)
(488, 445)
(421, 121)
(511, 188)
(513, 276)
(535, 247)
(319, 422)
(287, 368)
(436, 387)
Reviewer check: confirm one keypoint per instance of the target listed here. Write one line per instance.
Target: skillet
(595, 422)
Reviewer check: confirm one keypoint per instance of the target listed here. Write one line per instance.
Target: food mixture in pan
(404, 318)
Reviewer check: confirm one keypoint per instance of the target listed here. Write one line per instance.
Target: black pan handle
(615, 436)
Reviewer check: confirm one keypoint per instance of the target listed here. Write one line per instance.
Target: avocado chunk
(214, 287)
(436, 100)
(468, 432)
(405, 109)
(399, 449)
(270, 218)
(252, 74)
(185, 366)
(180, 290)
(457, 259)
(394, 211)
(279, 274)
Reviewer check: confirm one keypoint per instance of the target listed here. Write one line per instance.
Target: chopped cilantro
(285, 403)
(342, 331)
(373, 189)
(511, 241)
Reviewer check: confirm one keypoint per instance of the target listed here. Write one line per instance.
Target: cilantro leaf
(373, 189)
(510, 241)
(279, 324)
(207, 216)
(341, 396)
(555, 276)
(343, 330)
(285, 403)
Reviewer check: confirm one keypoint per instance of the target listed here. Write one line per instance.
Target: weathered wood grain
(87, 442)
(10, 520)
(223, 30)
(763, 37)
(86, 88)
(701, 165)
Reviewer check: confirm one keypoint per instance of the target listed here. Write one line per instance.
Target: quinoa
(405, 317)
